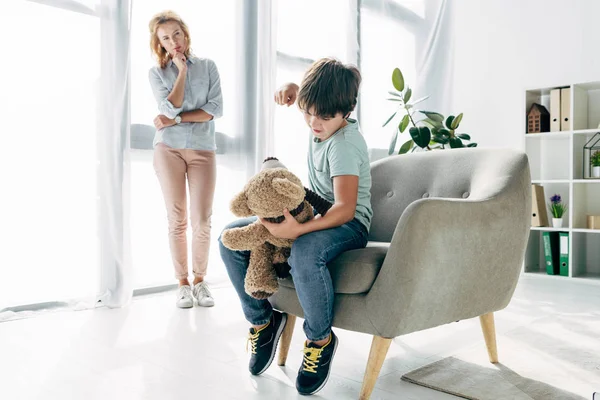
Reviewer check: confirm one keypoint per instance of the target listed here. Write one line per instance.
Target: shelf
(549, 135)
(586, 131)
(549, 181)
(590, 278)
(558, 163)
(544, 274)
(589, 180)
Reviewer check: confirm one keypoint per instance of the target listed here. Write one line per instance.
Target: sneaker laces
(184, 291)
(311, 358)
(204, 290)
(253, 341)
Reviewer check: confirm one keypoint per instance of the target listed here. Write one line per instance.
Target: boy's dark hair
(329, 87)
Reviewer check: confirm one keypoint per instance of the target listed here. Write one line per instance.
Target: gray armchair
(447, 243)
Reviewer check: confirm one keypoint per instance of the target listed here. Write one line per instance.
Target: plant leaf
(404, 123)
(407, 94)
(389, 119)
(434, 116)
(393, 93)
(456, 143)
(419, 100)
(394, 99)
(456, 121)
(444, 132)
(398, 80)
(436, 124)
(472, 145)
(406, 147)
(393, 143)
(449, 121)
(427, 123)
(440, 139)
(464, 136)
(421, 135)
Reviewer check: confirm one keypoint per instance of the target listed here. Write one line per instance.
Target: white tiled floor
(152, 350)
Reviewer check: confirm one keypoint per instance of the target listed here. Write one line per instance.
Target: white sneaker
(203, 295)
(184, 297)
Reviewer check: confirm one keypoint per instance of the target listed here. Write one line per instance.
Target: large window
(50, 71)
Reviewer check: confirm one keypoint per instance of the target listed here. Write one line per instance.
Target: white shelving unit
(556, 164)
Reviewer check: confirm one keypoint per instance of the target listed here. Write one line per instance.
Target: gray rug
(552, 359)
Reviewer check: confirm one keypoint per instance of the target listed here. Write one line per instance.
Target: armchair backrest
(398, 181)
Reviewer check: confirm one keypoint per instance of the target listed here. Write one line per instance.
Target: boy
(339, 171)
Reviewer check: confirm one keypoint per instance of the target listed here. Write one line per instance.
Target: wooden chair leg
(379, 349)
(286, 339)
(489, 334)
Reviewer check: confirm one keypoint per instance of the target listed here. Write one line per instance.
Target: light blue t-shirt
(343, 153)
(202, 91)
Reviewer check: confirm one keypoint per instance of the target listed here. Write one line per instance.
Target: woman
(188, 92)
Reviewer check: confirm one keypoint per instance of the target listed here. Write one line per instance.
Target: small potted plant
(558, 209)
(595, 161)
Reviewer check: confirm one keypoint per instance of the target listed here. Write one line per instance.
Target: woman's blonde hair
(159, 51)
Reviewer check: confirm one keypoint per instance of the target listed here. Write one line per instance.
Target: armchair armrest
(452, 259)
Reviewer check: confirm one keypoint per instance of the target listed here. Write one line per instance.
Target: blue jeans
(308, 261)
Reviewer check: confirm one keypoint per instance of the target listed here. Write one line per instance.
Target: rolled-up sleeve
(161, 93)
(214, 105)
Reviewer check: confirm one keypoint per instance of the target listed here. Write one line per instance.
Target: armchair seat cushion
(354, 271)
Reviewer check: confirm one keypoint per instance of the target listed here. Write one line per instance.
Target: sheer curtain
(63, 168)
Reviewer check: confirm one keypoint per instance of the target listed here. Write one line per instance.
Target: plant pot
(557, 222)
(596, 172)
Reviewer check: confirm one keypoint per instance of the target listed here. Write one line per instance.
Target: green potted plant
(595, 161)
(558, 209)
(432, 131)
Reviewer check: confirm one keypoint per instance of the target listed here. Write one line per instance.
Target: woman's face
(172, 38)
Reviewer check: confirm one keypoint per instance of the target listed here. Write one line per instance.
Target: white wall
(503, 47)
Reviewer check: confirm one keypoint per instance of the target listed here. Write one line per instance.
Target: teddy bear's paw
(261, 295)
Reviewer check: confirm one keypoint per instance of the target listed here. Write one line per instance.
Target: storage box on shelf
(558, 164)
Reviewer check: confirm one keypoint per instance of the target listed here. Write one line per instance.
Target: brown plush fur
(265, 195)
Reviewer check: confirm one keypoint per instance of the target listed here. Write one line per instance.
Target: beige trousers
(172, 166)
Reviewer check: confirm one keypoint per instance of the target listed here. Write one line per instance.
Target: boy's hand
(286, 95)
(287, 229)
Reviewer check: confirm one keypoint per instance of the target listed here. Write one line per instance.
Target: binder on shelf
(555, 110)
(551, 252)
(564, 253)
(539, 215)
(565, 109)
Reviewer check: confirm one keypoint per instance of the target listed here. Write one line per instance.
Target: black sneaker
(316, 365)
(263, 344)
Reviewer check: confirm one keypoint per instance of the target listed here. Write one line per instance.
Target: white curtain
(113, 161)
(63, 168)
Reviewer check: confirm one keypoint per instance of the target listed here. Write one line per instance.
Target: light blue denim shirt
(202, 91)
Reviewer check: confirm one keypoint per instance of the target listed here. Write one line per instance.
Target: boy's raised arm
(286, 95)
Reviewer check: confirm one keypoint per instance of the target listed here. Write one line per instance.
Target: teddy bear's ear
(239, 206)
(288, 188)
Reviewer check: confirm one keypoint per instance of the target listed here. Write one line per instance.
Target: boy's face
(323, 127)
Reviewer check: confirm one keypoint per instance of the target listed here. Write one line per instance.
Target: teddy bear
(266, 195)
